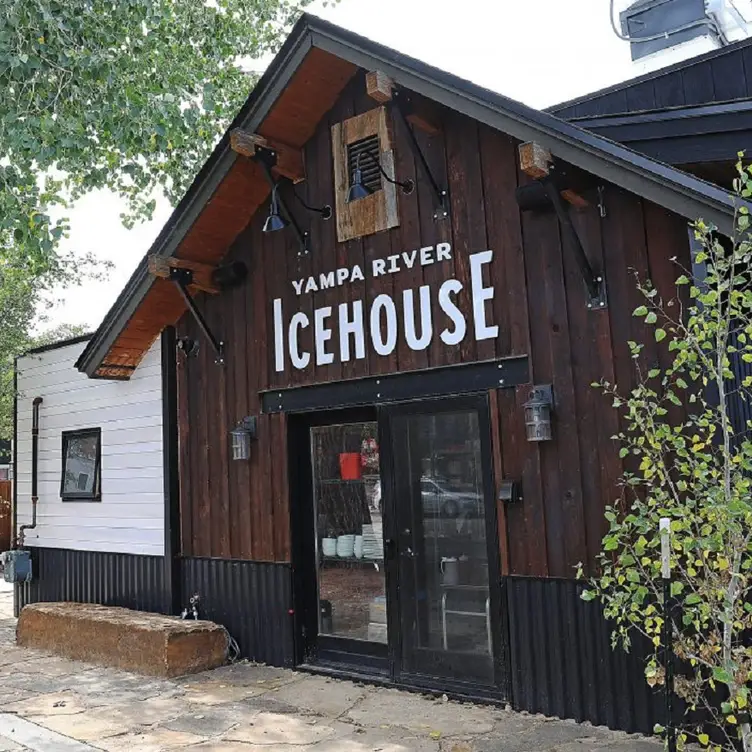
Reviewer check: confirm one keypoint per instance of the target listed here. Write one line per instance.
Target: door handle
(390, 546)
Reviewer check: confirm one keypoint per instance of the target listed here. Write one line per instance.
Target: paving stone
(270, 704)
(246, 674)
(54, 703)
(220, 746)
(153, 740)
(219, 692)
(85, 727)
(208, 722)
(420, 713)
(319, 694)
(150, 712)
(382, 739)
(52, 666)
(272, 728)
(11, 696)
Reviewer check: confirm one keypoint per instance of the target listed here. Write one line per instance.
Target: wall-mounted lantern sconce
(242, 436)
(359, 190)
(538, 413)
(189, 347)
(509, 491)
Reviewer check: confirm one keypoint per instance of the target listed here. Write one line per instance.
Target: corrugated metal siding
(253, 600)
(127, 580)
(562, 663)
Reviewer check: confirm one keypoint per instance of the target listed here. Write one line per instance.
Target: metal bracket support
(267, 158)
(594, 282)
(182, 278)
(442, 194)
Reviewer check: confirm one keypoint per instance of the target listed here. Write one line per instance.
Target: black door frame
(310, 647)
(500, 638)
(361, 656)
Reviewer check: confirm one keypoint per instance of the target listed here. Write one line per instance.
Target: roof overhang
(680, 135)
(326, 53)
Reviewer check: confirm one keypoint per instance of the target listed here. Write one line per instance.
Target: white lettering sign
(415, 315)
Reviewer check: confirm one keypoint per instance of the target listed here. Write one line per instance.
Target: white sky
(537, 51)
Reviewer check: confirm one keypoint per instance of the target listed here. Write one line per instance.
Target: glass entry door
(349, 535)
(440, 493)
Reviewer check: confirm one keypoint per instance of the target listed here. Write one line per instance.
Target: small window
(81, 474)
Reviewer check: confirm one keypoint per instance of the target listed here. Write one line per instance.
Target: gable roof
(721, 75)
(299, 87)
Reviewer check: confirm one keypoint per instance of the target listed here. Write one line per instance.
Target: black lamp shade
(274, 222)
(357, 189)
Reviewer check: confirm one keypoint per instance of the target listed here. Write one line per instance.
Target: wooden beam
(535, 160)
(379, 86)
(290, 162)
(203, 280)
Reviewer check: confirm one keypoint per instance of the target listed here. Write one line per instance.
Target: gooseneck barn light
(325, 211)
(538, 414)
(274, 221)
(359, 190)
(241, 436)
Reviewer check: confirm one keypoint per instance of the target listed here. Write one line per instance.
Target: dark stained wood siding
(241, 509)
(720, 76)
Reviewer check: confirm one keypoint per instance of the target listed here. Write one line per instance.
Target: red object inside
(349, 466)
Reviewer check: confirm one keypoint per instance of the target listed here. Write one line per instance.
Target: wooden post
(379, 86)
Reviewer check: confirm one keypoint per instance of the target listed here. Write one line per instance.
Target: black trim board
(377, 390)
(60, 343)
(666, 186)
(171, 475)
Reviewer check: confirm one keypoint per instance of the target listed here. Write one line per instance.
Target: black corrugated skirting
(126, 580)
(562, 663)
(253, 600)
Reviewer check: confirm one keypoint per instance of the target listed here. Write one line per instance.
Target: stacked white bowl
(345, 546)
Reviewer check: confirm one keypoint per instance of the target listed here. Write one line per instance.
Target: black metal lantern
(538, 414)
(242, 435)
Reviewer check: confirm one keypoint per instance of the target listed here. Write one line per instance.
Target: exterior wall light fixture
(538, 413)
(242, 435)
(359, 190)
(274, 221)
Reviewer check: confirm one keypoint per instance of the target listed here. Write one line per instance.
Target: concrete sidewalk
(49, 704)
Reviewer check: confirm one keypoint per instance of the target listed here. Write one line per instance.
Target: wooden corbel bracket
(202, 274)
(289, 161)
(421, 114)
(537, 162)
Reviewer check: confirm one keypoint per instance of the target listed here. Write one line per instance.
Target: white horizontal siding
(130, 516)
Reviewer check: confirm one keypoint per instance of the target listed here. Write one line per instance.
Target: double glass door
(405, 540)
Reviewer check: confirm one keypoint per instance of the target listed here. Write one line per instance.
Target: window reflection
(349, 531)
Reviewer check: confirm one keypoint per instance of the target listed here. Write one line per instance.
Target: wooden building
(373, 277)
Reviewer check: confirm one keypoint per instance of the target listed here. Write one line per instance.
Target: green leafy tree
(690, 463)
(130, 96)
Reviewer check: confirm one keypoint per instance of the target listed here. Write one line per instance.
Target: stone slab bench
(136, 641)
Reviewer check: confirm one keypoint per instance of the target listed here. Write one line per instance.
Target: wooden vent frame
(378, 211)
